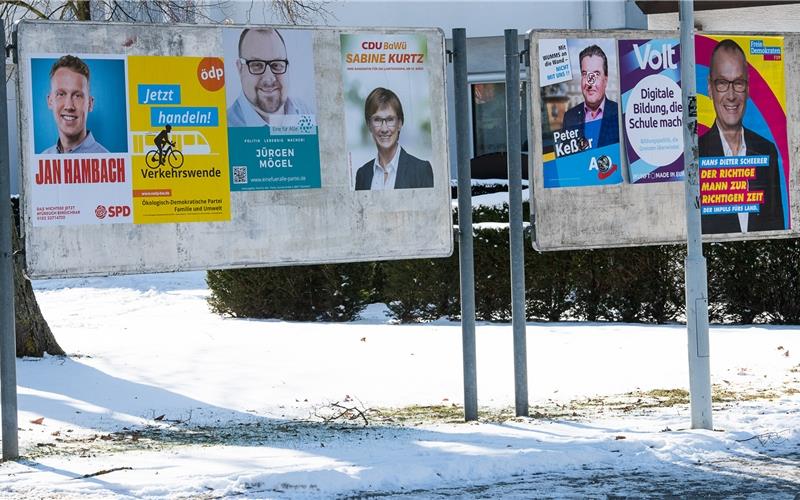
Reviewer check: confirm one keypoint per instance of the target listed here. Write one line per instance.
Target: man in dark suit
(728, 89)
(393, 168)
(597, 116)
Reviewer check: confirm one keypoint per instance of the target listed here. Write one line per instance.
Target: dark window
(489, 118)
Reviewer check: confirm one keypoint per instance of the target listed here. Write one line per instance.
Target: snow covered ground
(160, 398)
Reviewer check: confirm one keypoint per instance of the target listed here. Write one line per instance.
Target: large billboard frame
(625, 215)
(328, 222)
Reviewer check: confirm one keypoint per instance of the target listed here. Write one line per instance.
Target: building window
(489, 118)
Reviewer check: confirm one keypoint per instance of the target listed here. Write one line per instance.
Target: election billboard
(652, 116)
(231, 148)
(388, 111)
(744, 151)
(590, 81)
(581, 144)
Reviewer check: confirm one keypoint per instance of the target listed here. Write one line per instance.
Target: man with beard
(262, 65)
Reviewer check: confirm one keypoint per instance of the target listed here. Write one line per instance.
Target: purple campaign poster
(650, 84)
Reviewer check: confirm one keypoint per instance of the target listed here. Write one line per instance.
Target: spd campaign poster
(387, 111)
(81, 169)
(271, 109)
(580, 117)
(179, 139)
(652, 109)
(744, 151)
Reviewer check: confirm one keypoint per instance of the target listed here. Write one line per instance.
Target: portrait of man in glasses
(393, 167)
(597, 117)
(728, 88)
(263, 69)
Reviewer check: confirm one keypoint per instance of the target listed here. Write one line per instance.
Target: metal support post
(513, 148)
(696, 273)
(465, 251)
(8, 340)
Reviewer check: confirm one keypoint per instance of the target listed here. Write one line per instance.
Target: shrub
(755, 280)
(332, 292)
(421, 289)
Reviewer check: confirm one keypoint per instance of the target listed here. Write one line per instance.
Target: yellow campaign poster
(179, 139)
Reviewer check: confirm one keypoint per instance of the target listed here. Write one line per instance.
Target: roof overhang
(666, 6)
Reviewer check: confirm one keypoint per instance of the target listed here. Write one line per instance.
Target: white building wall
(768, 19)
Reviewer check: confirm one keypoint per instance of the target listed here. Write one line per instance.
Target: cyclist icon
(166, 152)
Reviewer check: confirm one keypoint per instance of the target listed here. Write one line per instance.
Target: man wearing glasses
(728, 88)
(262, 65)
(393, 167)
(597, 116)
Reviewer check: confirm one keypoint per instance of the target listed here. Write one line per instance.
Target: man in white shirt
(728, 88)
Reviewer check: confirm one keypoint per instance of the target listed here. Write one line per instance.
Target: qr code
(240, 175)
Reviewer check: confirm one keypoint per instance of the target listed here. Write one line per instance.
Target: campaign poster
(81, 168)
(387, 111)
(179, 139)
(580, 112)
(271, 109)
(744, 151)
(652, 109)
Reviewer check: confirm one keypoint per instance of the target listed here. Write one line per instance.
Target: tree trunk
(34, 337)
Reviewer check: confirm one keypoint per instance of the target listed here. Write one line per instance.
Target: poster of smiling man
(580, 129)
(82, 167)
(272, 112)
(744, 151)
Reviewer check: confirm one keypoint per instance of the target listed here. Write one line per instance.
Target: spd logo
(112, 211)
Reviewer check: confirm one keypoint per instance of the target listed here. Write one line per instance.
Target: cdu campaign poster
(652, 109)
(744, 151)
(387, 111)
(580, 118)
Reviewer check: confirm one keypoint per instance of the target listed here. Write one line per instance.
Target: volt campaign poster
(387, 111)
(652, 109)
(271, 109)
(81, 169)
(580, 115)
(179, 139)
(744, 151)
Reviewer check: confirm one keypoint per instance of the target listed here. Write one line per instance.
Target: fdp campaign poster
(81, 169)
(387, 111)
(580, 116)
(179, 139)
(744, 151)
(652, 109)
(271, 109)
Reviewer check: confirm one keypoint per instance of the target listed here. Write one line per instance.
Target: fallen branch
(101, 472)
(339, 411)
(765, 438)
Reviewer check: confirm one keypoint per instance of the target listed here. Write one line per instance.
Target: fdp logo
(112, 211)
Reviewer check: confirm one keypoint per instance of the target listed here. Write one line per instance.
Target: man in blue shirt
(71, 102)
